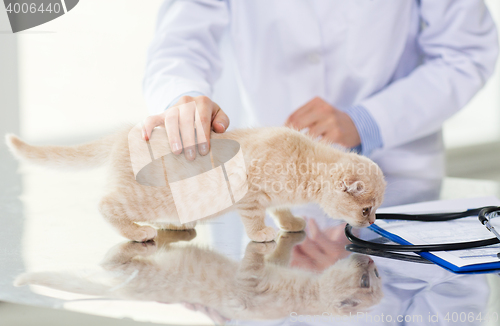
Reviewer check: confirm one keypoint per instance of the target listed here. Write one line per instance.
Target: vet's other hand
(321, 248)
(325, 121)
(180, 125)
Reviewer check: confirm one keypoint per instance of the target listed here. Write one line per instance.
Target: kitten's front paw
(181, 227)
(264, 235)
(262, 248)
(291, 237)
(144, 233)
(295, 224)
(167, 236)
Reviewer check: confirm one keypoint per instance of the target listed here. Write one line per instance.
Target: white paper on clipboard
(461, 230)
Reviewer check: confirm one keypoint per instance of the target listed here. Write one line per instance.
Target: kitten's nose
(372, 219)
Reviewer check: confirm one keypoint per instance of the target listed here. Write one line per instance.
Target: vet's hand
(325, 121)
(181, 123)
(321, 248)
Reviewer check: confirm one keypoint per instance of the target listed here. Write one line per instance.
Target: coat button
(314, 58)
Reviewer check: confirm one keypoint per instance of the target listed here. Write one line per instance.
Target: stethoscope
(369, 247)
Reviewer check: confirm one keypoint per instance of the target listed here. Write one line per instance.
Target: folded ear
(354, 188)
(349, 303)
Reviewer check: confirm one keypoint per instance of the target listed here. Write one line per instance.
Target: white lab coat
(412, 64)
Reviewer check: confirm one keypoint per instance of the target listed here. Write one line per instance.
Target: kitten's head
(351, 285)
(354, 192)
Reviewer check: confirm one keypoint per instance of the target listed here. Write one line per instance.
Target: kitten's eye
(367, 211)
(376, 273)
(365, 281)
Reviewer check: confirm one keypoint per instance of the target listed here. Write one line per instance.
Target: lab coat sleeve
(460, 47)
(184, 54)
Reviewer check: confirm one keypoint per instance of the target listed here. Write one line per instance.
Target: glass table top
(58, 252)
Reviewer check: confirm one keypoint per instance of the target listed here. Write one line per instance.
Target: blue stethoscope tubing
(481, 212)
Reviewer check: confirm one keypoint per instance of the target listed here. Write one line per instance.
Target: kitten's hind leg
(286, 221)
(253, 220)
(121, 215)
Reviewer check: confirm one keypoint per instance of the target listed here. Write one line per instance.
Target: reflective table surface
(57, 252)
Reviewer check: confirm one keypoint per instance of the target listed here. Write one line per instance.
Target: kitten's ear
(354, 188)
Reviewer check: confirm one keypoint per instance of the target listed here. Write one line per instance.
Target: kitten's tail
(84, 156)
(63, 281)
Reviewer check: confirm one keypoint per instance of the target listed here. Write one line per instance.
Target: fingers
(337, 233)
(220, 121)
(202, 123)
(318, 129)
(333, 136)
(301, 118)
(187, 123)
(309, 119)
(172, 127)
(208, 115)
(150, 123)
(300, 259)
(321, 240)
(313, 228)
(313, 112)
(312, 249)
(203, 119)
(186, 128)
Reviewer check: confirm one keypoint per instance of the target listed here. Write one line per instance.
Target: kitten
(345, 185)
(260, 287)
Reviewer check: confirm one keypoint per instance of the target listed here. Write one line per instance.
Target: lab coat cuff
(367, 128)
(175, 100)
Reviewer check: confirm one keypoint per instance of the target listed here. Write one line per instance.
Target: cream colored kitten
(256, 288)
(345, 185)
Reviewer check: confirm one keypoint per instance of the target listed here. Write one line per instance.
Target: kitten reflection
(262, 286)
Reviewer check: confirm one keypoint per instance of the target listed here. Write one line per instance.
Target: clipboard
(479, 260)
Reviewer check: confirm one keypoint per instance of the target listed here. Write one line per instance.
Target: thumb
(220, 122)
